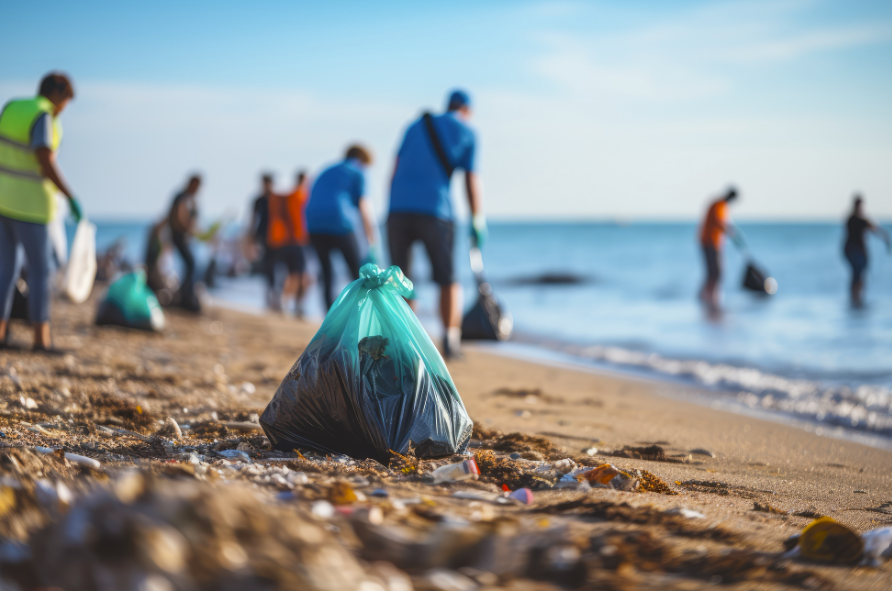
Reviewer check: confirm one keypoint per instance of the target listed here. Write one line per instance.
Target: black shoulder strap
(438, 147)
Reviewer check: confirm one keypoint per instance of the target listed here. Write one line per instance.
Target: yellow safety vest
(25, 194)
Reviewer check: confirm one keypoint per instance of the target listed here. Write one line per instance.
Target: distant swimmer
(855, 248)
(30, 134)
(715, 226)
(421, 209)
(337, 204)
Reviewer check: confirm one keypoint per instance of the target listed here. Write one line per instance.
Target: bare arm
(396, 163)
(47, 160)
(368, 220)
(472, 188)
(881, 232)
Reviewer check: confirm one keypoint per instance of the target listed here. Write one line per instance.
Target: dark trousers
(324, 245)
(187, 289)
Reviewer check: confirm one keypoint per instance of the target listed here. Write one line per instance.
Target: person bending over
(715, 226)
(855, 247)
(182, 219)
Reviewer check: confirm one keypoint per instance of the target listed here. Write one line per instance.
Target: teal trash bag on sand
(370, 381)
(129, 302)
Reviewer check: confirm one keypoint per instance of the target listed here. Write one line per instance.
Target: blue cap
(458, 99)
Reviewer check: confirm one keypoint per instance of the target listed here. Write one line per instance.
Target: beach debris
(877, 544)
(592, 451)
(73, 458)
(83, 461)
(651, 453)
(183, 535)
(766, 508)
(603, 474)
(531, 447)
(341, 493)
(39, 430)
(235, 454)
(170, 428)
(441, 579)
(503, 547)
(699, 451)
(686, 513)
(648, 482)
(466, 470)
(242, 426)
(400, 369)
(323, 510)
(523, 495)
(825, 540)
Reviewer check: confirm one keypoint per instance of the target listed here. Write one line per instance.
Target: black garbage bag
(757, 280)
(370, 381)
(487, 320)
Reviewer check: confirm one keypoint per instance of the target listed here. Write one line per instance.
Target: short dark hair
(195, 178)
(301, 175)
(858, 200)
(266, 177)
(56, 83)
(731, 193)
(360, 153)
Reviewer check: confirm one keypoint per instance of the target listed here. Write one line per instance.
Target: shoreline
(685, 388)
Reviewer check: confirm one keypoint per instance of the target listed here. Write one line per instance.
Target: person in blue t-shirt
(337, 203)
(420, 206)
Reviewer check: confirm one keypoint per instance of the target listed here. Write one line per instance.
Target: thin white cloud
(809, 43)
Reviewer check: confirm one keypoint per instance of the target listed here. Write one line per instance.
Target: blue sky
(600, 110)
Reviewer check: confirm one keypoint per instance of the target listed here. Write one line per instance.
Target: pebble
(515, 456)
(379, 492)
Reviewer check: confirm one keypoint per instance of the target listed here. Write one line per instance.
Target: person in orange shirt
(287, 237)
(715, 226)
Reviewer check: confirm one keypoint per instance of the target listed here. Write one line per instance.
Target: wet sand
(210, 371)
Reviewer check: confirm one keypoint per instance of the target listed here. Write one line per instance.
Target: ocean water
(803, 352)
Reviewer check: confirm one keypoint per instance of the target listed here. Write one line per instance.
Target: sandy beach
(106, 399)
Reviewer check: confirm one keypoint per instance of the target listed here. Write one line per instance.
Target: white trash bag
(81, 271)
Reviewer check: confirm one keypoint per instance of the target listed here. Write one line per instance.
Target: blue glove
(75, 209)
(479, 231)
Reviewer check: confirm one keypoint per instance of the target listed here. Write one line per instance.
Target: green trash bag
(129, 302)
(370, 381)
